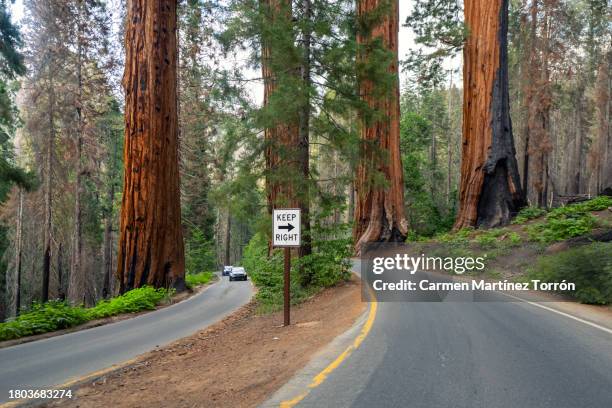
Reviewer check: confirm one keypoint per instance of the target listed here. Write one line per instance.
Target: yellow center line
(71, 383)
(322, 376)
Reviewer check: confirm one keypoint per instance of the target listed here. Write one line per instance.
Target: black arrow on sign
(287, 227)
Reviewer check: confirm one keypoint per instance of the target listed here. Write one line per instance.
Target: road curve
(56, 360)
(481, 354)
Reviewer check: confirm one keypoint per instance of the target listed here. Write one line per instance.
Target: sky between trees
(406, 43)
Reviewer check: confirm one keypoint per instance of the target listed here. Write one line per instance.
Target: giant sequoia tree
(280, 62)
(151, 242)
(490, 191)
(379, 211)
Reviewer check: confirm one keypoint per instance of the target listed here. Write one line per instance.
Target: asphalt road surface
(472, 354)
(45, 363)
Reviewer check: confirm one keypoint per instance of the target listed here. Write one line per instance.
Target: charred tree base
(179, 285)
(497, 205)
(380, 231)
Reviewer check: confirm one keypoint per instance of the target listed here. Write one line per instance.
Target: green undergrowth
(567, 222)
(527, 214)
(471, 242)
(328, 265)
(136, 300)
(588, 266)
(547, 227)
(58, 315)
(196, 279)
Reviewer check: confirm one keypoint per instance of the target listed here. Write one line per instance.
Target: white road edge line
(550, 309)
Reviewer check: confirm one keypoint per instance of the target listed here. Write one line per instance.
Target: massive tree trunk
(151, 242)
(282, 137)
(490, 192)
(379, 209)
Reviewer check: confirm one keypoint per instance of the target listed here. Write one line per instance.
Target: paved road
(483, 354)
(56, 360)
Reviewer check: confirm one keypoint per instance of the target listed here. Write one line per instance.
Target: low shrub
(328, 264)
(136, 300)
(414, 236)
(43, 318)
(486, 240)
(568, 221)
(596, 204)
(588, 266)
(528, 213)
(58, 315)
(491, 238)
(460, 237)
(515, 239)
(195, 279)
(561, 228)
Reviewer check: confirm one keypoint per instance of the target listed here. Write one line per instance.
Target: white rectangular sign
(286, 227)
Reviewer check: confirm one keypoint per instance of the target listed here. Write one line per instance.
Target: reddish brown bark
(150, 241)
(379, 209)
(490, 190)
(283, 137)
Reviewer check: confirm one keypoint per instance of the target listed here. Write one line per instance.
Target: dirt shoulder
(237, 362)
(179, 297)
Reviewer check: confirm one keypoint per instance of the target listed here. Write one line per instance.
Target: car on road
(226, 270)
(238, 273)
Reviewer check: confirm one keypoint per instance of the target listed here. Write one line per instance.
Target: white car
(237, 273)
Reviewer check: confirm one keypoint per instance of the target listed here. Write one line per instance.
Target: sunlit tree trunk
(283, 137)
(490, 190)
(379, 209)
(150, 242)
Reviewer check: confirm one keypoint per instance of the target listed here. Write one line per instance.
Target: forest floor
(179, 297)
(508, 260)
(237, 362)
(513, 262)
